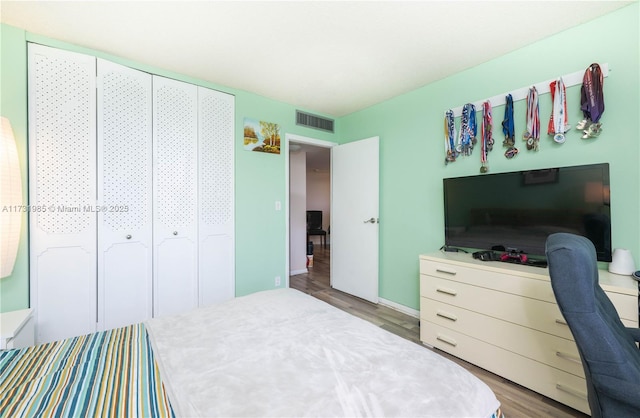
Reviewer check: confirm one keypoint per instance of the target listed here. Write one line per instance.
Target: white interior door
(175, 191)
(62, 191)
(354, 218)
(216, 247)
(125, 245)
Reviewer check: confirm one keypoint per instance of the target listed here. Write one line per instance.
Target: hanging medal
(486, 139)
(449, 138)
(468, 130)
(532, 135)
(473, 126)
(508, 129)
(591, 102)
(559, 121)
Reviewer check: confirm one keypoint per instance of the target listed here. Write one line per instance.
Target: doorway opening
(308, 179)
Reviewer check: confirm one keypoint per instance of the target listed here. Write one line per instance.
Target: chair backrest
(314, 220)
(607, 351)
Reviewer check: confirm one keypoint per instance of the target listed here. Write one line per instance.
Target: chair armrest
(621, 390)
(635, 333)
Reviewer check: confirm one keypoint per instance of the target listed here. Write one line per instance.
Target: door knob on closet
(129, 236)
(175, 232)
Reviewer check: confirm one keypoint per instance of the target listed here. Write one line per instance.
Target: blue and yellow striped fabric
(109, 373)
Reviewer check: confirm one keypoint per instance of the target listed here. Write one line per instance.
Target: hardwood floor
(516, 400)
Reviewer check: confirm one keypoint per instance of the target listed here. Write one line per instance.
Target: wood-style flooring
(516, 400)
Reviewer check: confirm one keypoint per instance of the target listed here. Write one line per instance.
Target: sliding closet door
(216, 220)
(175, 230)
(62, 191)
(125, 246)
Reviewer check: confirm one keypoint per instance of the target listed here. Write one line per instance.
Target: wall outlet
(277, 281)
(278, 205)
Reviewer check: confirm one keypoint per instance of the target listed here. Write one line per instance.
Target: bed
(273, 353)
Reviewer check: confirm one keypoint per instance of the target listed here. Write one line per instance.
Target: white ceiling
(332, 57)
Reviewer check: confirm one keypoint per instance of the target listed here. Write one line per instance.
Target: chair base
(322, 235)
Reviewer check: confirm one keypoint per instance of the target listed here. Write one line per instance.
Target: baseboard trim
(295, 272)
(400, 308)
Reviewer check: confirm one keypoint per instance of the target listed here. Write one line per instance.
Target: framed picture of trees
(261, 136)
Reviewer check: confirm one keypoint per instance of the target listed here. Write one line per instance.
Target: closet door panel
(216, 196)
(125, 231)
(176, 280)
(66, 302)
(62, 192)
(175, 141)
(126, 293)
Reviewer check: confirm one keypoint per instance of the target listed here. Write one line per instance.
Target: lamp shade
(622, 262)
(10, 199)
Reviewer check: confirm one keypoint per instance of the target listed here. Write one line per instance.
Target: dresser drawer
(627, 307)
(556, 384)
(557, 352)
(507, 283)
(530, 313)
(535, 286)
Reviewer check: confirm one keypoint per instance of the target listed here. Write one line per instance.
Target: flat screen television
(519, 210)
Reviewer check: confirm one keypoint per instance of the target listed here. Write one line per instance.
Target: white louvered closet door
(62, 191)
(216, 196)
(125, 245)
(175, 186)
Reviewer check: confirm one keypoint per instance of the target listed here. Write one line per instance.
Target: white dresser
(504, 318)
(16, 329)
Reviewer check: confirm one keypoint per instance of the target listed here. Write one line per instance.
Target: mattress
(286, 354)
(109, 373)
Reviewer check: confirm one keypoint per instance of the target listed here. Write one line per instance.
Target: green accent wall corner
(410, 127)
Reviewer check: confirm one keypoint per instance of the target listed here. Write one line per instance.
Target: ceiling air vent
(314, 121)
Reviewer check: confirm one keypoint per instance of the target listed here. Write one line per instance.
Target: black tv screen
(519, 210)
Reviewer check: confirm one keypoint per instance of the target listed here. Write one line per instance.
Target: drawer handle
(453, 273)
(446, 291)
(447, 315)
(571, 391)
(447, 340)
(561, 322)
(568, 356)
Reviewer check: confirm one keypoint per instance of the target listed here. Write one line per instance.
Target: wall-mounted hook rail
(570, 80)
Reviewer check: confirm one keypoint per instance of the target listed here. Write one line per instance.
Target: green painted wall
(412, 149)
(14, 290)
(259, 178)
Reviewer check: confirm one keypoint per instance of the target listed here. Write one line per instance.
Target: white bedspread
(282, 353)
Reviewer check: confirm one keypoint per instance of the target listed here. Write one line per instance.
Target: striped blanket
(109, 373)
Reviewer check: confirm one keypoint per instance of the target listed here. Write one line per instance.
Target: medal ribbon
(468, 129)
(559, 121)
(508, 127)
(473, 123)
(591, 93)
(464, 125)
(449, 137)
(532, 136)
(486, 141)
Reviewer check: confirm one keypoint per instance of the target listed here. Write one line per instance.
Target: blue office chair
(610, 357)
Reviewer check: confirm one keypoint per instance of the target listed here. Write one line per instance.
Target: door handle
(370, 221)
